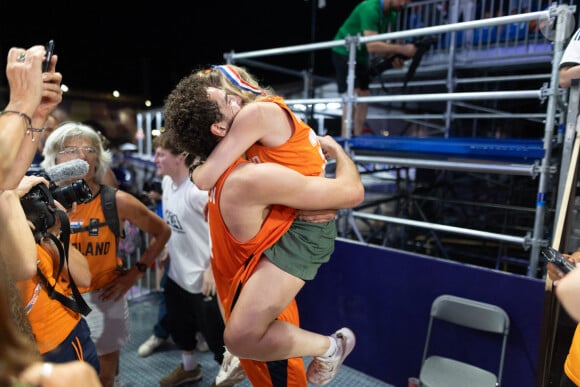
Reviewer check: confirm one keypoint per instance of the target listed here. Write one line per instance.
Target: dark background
(144, 50)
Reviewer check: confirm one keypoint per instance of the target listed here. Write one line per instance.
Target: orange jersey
(97, 244)
(572, 363)
(50, 320)
(302, 151)
(233, 262)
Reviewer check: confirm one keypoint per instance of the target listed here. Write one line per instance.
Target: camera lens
(78, 192)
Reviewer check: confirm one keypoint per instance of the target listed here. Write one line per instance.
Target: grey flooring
(136, 371)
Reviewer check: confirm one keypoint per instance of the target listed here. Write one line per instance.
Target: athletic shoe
(179, 376)
(150, 345)
(231, 371)
(323, 369)
(201, 343)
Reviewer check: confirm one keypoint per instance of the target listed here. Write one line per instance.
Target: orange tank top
(233, 261)
(572, 363)
(97, 244)
(50, 320)
(302, 151)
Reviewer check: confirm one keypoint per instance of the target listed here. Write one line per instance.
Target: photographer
(370, 17)
(61, 332)
(19, 352)
(95, 234)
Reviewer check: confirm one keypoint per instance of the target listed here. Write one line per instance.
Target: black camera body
(38, 202)
(78, 191)
(380, 64)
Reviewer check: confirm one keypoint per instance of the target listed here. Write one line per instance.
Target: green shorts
(303, 248)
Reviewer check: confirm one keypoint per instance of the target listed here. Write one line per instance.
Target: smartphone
(553, 256)
(49, 51)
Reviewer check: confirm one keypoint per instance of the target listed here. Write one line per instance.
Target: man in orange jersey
(250, 208)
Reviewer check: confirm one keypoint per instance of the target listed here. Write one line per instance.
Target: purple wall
(385, 296)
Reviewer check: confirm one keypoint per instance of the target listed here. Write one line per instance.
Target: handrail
(232, 55)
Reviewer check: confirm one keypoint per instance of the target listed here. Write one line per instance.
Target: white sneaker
(150, 345)
(323, 369)
(201, 343)
(231, 371)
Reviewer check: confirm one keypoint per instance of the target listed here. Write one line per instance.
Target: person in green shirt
(369, 17)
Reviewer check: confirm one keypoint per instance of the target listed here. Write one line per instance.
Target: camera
(38, 202)
(380, 64)
(78, 191)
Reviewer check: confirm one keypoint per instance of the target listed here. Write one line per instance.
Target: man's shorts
(303, 248)
(77, 346)
(108, 321)
(361, 70)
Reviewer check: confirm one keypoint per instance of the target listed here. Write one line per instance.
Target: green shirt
(366, 16)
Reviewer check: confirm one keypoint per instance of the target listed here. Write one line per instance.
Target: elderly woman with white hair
(92, 235)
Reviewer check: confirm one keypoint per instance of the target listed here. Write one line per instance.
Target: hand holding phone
(553, 256)
(49, 51)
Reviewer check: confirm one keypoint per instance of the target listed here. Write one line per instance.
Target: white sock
(331, 349)
(189, 361)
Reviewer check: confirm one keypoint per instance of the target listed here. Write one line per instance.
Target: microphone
(74, 169)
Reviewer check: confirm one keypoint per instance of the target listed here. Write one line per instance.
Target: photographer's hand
(408, 50)
(24, 74)
(28, 182)
(120, 285)
(23, 70)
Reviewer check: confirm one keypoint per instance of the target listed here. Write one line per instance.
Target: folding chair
(440, 371)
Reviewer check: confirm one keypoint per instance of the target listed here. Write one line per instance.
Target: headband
(237, 80)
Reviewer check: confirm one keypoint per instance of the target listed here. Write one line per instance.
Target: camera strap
(77, 304)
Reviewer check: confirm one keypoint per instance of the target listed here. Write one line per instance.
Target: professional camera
(38, 202)
(380, 64)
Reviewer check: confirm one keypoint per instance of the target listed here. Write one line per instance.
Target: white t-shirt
(188, 245)
(571, 56)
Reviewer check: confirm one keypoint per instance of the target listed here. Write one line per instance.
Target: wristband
(27, 120)
(141, 267)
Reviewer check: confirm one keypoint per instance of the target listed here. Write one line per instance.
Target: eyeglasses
(73, 150)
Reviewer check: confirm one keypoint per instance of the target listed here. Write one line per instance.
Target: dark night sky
(146, 50)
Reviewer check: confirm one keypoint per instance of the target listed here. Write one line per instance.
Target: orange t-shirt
(572, 363)
(97, 244)
(50, 320)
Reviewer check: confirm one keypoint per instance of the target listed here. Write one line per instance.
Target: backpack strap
(77, 303)
(109, 205)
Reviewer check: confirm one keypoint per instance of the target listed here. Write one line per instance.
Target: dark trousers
(191, 312)
(161, 328)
